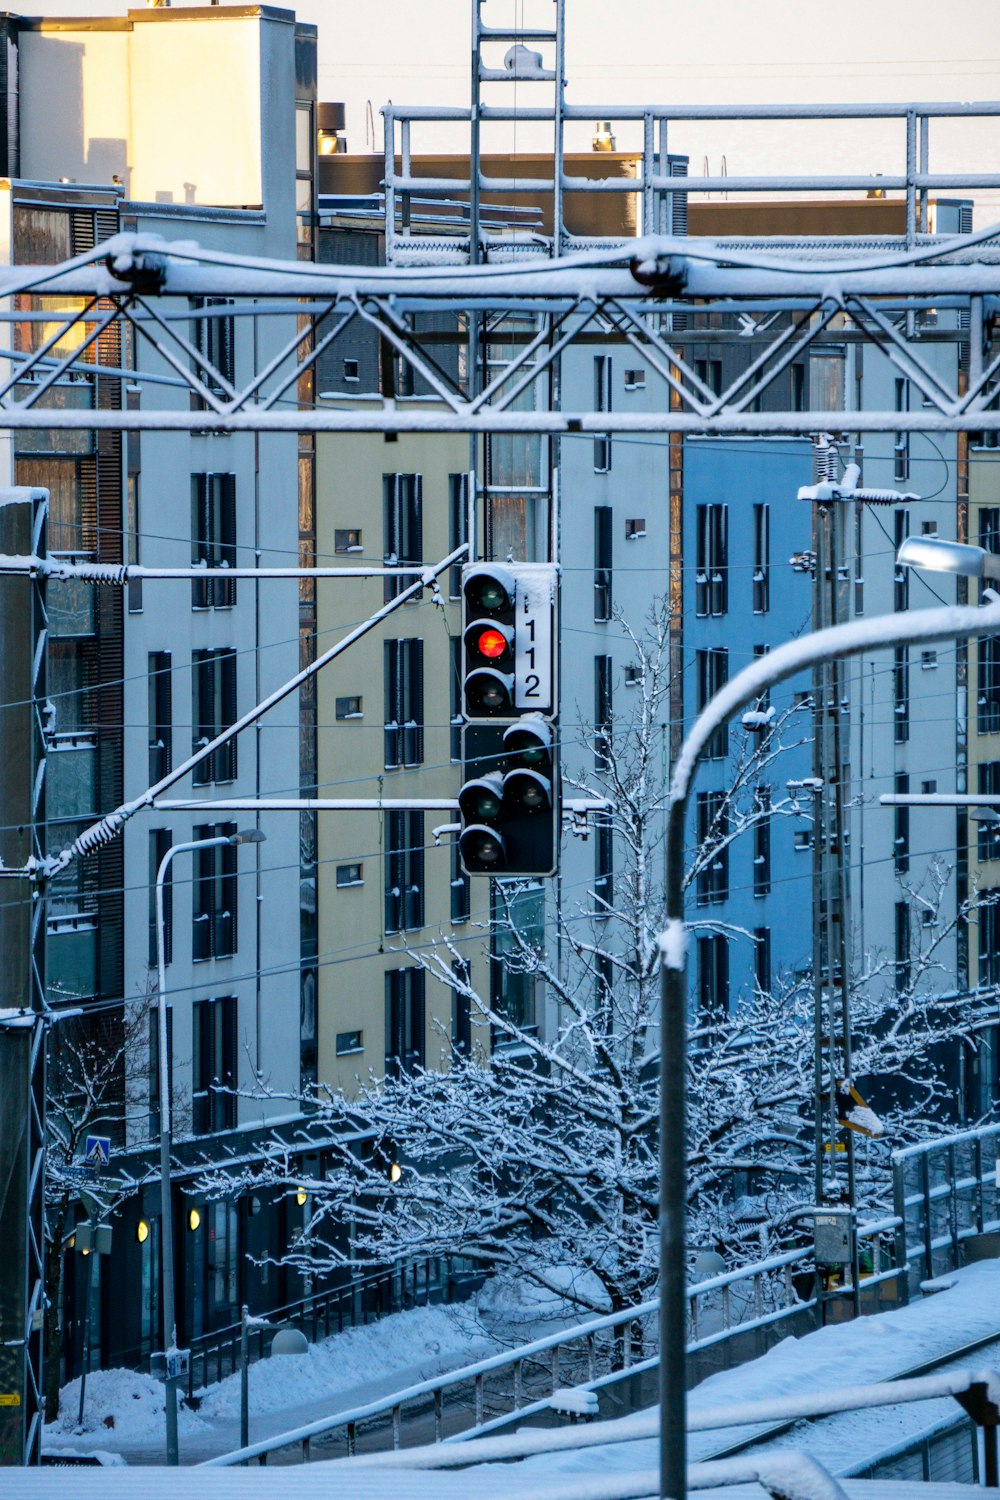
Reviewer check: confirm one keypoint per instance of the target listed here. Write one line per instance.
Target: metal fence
(944, 1198)
(417, 1283)
(945, 1195)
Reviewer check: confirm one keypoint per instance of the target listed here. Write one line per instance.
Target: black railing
(418, 1283)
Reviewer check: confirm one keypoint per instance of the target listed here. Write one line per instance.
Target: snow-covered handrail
(922, 1148)
(645, 1424)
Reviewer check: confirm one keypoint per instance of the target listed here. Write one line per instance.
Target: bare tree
(96, 1079)
(537, 1154)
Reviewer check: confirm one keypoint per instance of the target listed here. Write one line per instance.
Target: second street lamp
(246, 836)
(942, 556)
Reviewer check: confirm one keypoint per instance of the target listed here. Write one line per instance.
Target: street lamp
(941, 556)
(246, 836)
(851, 639)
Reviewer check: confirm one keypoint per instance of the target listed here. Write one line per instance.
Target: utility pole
(831, 909)
(23, 726)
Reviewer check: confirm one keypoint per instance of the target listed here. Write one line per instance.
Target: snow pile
(425, 1336)
(121, 1403)
(570, 1294)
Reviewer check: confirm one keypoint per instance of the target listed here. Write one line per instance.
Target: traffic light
(509, 800)
(490, 602)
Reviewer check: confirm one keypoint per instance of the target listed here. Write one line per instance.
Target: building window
(214, 927)
(404, 1020)
(988, 701)
(635, 528)
(713, 849)
(901, 839)
(352, 371)
(901, 694)
(712, 560)
(604, 865)
(902, 946)
(761, 559)
(402, 509)
(709, 372)
(803, 838)
(456, 720)
(603, 517)
(461, 888)
(798, 387)
(160, 840)
(712, 668)
(348, 875)
(134, 536)
(213, 538)
(901, 576)
(602, 402)
(404, 871)
(901, 445)
(349, 708)
(348, 540)
(214, 1069)
(762, 960)
(989, 938)
(512, 990)
(602, 711)
(214, 709)
(349, 1042)
(928, 660)
(989, 528)
(713, 976)
(632, 676)
(461, 1009)
(635, 380)
(214, 337)
(458, 527)
(161, 729)
(762, 842)
(988, 834)
(154, 1065)
(404, 703)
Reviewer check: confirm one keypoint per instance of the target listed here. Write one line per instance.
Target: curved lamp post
(247, 836)
(886, 631)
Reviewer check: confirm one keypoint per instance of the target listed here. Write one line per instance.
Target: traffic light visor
(490, 588)
(489, 692)
(528, 790)
(480, 801)
(482, 849)
(529, 742)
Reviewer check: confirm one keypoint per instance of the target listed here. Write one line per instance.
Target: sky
(660, 51)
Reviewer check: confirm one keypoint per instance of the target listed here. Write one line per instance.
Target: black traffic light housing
(509, 800)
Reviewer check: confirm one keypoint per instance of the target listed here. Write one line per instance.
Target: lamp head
(942, 556)
(248, 836)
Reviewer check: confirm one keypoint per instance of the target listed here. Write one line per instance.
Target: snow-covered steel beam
(404, 417)
(124, 573)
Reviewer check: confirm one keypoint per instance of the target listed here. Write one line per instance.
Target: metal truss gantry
(659, 295)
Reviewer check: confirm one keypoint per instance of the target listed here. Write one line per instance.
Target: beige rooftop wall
(171, 106)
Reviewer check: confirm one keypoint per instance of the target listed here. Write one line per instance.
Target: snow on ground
(837, 1357)
(126, 1409)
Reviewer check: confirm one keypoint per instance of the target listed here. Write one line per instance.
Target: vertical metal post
(901, 1246)
(244, 1379)
(911, 169)
(389, 148)
(673, 1187)
(990, 1457)
(88, 1293)
(474, 144)
(558, 106)
(924, 166)
(648, 170)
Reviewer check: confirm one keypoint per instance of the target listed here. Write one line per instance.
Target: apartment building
(105, 141)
